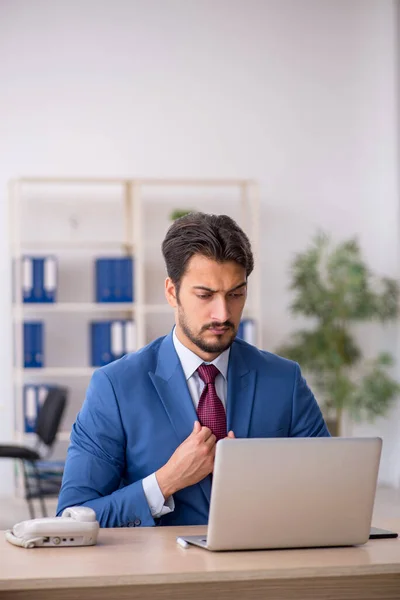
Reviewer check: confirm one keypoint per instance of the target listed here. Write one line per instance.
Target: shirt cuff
(157, 504)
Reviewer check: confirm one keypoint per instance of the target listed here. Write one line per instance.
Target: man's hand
(231, 435)
(190, 463)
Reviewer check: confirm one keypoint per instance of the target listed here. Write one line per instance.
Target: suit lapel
(241, 391)
(170, 383)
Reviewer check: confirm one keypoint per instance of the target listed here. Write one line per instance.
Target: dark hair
(215, 236)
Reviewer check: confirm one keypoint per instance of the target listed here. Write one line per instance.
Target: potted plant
(178, 213)
(334, 287)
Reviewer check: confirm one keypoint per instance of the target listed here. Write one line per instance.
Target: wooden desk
(147, 563)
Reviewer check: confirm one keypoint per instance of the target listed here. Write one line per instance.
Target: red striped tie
(210, 410)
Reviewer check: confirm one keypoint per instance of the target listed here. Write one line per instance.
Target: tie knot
(207, 373)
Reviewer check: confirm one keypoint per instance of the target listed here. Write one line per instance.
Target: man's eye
(204, 296)
(238, 295)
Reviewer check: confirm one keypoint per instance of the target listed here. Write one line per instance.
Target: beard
(216, 347)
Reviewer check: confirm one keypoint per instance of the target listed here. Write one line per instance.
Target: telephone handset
(77, 526)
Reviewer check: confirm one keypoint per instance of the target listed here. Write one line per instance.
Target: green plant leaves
(376, 391)
(178, 213)
(333, 285)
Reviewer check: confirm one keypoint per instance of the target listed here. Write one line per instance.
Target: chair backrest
(50, 415)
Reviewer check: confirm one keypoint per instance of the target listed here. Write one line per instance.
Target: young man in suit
(142, 447)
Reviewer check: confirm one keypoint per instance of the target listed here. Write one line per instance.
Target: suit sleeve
(96, 463)
(307, 419)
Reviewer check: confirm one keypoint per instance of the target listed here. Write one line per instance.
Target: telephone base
(76, 527)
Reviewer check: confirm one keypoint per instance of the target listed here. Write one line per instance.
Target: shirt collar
(190, 361)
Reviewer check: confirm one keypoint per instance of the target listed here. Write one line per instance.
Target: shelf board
(187, 182)
(73, 180)
(46, 372)
(157, 308)
(87, 307)
(71, 244)
(138, 181)
(74, 307)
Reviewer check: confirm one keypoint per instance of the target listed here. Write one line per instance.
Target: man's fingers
(196, 427)
(211, 441)
(231, 435)
(205, 433)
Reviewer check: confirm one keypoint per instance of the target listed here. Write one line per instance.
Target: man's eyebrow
(203, 287)
(243, 284)
(207, 289)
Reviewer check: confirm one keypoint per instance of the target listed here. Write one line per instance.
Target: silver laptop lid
(292, 492)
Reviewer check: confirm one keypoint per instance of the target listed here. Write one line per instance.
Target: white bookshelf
(61, 233)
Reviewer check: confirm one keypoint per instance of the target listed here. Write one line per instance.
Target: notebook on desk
(291, 493)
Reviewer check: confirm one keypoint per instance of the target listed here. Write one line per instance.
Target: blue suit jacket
(138, 410)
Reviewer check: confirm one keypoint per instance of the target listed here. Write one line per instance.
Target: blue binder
(33, 345)
(114, 279)
(38, 353)
(38, 275)
(247, 331)
(123, 279)
(111, 340)
(128, 269)
(28, 345)
(100, 333)
(103, 280)
(117, 280)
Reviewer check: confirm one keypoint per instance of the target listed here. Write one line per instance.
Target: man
(142, 448)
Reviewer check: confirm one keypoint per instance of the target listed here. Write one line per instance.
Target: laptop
(291, 493)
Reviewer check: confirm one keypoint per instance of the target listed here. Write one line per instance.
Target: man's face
(209, 305)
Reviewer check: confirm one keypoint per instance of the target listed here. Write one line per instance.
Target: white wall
(299, 94)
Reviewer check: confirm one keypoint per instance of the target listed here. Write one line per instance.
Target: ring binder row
(39, 279)
(113, 279)
(33, 345)
(109, 340)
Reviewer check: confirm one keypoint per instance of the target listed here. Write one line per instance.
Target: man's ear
(170, 293)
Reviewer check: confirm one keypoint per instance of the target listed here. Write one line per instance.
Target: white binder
(130, 336)
(30, 407)
(27, 276)
(50, 274)
(117, 339)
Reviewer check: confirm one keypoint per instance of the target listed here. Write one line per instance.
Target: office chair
(41, 477)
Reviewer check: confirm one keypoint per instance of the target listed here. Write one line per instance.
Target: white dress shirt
(190, 363)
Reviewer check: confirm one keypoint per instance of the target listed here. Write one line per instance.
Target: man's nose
(220, 310)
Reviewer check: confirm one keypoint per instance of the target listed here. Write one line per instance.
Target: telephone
(77, 526)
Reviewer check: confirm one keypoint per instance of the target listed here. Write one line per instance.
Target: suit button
(137, 522)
